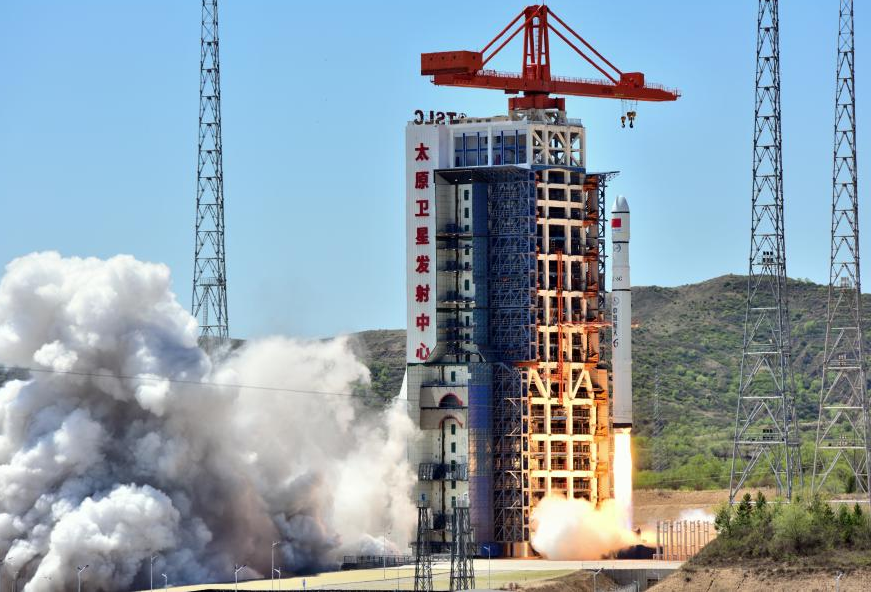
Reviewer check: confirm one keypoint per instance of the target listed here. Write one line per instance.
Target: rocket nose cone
(620, 205)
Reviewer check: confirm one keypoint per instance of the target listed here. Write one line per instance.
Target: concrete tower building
(505, 309)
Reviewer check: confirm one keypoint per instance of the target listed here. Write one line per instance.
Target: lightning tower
(422, 551)
(843, 427)
(462, 550)
(765, 425)
(209, 301)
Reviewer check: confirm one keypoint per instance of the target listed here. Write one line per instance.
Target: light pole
(79, 570)
(165, 581)
(236, 575)
(489, 579)
(384, 553)
(595, 573)
(278, 571)
(272, 573)
(151, 573)
(838, 582)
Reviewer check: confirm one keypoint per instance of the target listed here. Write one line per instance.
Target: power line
(198, 383)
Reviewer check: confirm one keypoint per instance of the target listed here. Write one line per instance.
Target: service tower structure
(490, 228)
(506, 292)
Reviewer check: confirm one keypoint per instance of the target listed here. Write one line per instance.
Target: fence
(678, 540)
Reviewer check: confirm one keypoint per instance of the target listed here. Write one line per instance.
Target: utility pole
(209, 301)
(658, 446)
(843, 431)
(765, 423)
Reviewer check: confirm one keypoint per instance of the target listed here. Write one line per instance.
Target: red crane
(466, 68)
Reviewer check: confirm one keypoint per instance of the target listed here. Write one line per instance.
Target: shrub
(793, 531)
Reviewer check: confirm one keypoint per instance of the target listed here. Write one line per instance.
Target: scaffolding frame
(511, 289)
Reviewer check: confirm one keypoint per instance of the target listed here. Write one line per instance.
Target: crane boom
(466, 68)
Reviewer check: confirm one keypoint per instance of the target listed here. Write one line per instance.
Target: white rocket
(621, 315)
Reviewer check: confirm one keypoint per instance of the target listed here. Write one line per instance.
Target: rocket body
(621, 316)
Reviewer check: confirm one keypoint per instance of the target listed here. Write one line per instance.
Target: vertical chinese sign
(422, 157)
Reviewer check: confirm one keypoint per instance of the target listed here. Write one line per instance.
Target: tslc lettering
(436, 117)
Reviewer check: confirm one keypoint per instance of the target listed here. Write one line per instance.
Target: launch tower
(506, 292)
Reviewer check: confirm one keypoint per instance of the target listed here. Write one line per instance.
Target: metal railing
(679, 540)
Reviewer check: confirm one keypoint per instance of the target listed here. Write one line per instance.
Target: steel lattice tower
(765, 424)
(462, 549)
(843, 426)
(422, 551)
(209, 302)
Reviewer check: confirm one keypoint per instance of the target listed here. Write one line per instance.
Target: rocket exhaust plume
(623, 473)
(120, 444)
(564, 529)
(579, 530)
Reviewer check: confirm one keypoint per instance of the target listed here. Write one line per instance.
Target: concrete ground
(500, 573)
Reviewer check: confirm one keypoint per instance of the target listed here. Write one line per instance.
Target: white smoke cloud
(575, 529)
(110, 470)
(696, 514)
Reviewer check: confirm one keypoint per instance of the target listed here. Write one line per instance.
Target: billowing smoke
(120, 445)
(696, 515)
(566, 529)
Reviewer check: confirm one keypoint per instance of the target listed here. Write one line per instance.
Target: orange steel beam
(560, 357)
(466, 68)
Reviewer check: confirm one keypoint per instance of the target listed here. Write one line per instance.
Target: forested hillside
(690, 336)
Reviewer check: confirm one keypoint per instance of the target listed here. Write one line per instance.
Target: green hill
(691, 336)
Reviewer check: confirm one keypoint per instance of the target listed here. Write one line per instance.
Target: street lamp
(384, 553)
(272, 573)
(838, 582)
(151, 573)
(165, 581)
(489, 580)
(595, 573)
(79, 570)
(236, 575)
(277, 570)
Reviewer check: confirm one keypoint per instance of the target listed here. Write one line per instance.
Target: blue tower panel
(481, 451)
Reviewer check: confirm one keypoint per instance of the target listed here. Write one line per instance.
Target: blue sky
(98, 127)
